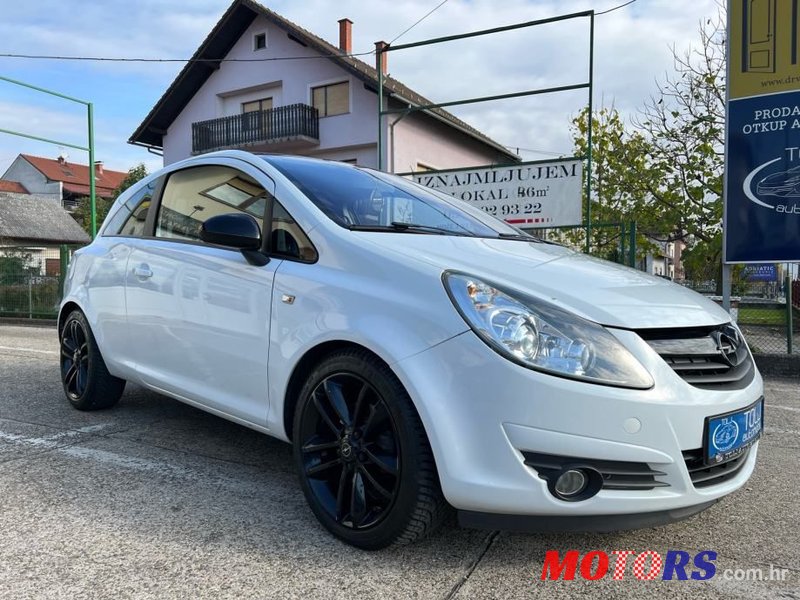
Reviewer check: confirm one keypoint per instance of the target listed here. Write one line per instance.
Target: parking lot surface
(155, 499)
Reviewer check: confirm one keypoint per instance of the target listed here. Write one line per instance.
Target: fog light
(571, 483)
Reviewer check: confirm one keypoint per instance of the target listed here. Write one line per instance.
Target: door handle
(142, 271)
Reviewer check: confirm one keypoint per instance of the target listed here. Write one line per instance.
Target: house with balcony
(63, 181)
(262, 83)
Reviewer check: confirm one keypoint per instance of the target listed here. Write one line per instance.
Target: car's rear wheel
(87, 383)
(364, 461)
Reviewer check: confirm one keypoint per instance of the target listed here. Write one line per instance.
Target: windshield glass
(360, 198)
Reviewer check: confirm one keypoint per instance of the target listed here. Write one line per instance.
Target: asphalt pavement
(155, 499)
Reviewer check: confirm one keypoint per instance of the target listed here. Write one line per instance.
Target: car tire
(362, 455)
(87, 383)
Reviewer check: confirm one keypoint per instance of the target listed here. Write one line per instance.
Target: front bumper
(481, 412)
(577, 523)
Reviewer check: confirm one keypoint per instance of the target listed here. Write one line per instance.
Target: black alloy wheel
(87, 383)
(74, 359)
(362, 455)
(350, 451)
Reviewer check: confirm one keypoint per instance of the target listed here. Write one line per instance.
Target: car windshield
(364, 199)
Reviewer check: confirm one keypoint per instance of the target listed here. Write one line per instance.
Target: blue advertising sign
(761, 273)
(762, 194)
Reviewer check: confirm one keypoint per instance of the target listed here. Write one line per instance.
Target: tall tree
(685, 122)
(664, 170)
(83, 212)
(621, 175)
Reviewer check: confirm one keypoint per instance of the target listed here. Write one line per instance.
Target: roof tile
(76, 175)
(12, 186)
(30, 217)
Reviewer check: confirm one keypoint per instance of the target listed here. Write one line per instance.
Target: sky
(632, 53)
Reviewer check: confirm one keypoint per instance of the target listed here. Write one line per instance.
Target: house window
(254, 120)
(260, 41)
(331, 99)
(257, 105)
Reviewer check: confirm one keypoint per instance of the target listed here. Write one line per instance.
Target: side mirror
(235, 230)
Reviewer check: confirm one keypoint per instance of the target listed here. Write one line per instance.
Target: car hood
(596, 289)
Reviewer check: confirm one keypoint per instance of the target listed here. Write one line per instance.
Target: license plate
(730, 435)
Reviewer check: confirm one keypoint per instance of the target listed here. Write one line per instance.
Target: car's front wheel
(87, 383)
(365, 464)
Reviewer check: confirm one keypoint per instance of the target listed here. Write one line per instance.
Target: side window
(288, 240)
(192, 196)
(130, 219)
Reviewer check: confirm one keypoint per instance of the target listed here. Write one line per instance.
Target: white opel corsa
(417, 352)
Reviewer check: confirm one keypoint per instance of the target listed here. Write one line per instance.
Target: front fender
(370, 309)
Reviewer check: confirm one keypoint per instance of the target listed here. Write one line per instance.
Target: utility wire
(176, 60)
(535, 151)
(428, 14)
(241, 60)
(615, 8)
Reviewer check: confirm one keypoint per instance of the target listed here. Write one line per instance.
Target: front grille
(709, 357)
(703, 475)
(616, 474)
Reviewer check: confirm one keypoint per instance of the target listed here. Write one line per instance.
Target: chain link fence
(32, 280)
(764, 302)
(765, 299)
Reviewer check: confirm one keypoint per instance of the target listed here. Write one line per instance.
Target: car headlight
(543, 337)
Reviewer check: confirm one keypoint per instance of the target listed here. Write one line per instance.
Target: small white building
(666, 260)
(262, 83)
(59, 179)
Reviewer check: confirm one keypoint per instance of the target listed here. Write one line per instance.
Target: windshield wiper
(526, 238)
(402, 227)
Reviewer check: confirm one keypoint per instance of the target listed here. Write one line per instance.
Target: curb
(28, 322)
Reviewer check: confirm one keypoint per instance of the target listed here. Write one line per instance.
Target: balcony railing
(282, 124)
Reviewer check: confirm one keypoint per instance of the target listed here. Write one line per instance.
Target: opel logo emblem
(728, 342)
(347, 450)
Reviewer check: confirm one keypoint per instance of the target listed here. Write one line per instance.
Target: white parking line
(51, 441)
(116, 460)
(789, 408)
(128, 462)
(14, 348)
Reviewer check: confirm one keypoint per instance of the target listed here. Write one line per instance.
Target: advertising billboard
(528, 195)
(763, 272)
(762, 170)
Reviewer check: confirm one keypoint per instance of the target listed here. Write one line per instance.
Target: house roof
(223, 37)
(26, 217)
(12, 186)
(75, 177)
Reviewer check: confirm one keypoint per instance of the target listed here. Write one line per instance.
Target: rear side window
(194, 195)
(130, 219)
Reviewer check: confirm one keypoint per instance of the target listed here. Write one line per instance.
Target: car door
(105, 281)
(198, 315)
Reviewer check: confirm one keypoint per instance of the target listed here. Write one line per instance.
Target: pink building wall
(414, 139)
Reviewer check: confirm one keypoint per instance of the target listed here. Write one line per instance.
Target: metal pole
(789, 330)
(589, 139)
(41, 89)
(63, 254)
(379, 66)
(726, 287)
(43, 139)
(632, 245)
(92, 198)
(30, 296)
